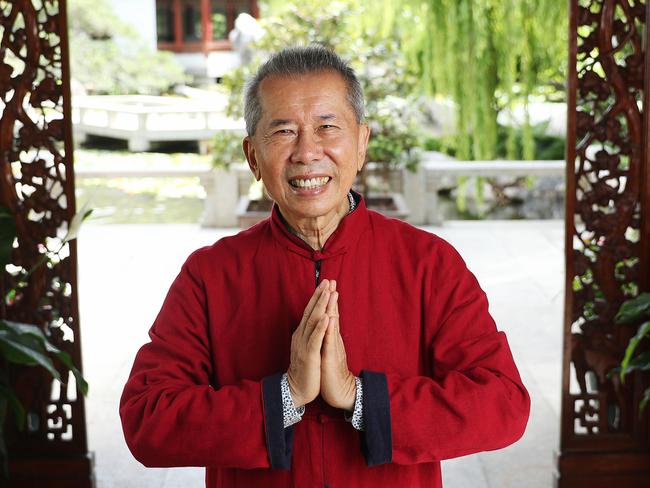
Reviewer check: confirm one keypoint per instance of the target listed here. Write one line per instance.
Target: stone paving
(125, 271)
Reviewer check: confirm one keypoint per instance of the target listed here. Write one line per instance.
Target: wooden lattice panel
(37, 185)
(606, 166)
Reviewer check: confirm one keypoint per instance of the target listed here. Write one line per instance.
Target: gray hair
(300, 61)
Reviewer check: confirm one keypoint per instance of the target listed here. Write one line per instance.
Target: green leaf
(35, 333)
(644, 330)
(17, 408)
(637, 363)
(7, 236)
(65, 358)
(25, 350)
(634, 309)
(20, 328)
(75, 223)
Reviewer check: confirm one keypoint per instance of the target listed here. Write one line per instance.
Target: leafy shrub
(546, 147)
(226, 148)
(108, 57)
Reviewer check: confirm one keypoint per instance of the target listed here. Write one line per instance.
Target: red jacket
(439, 379)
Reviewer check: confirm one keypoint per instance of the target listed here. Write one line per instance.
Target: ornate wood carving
(37, 184)
(603, 438)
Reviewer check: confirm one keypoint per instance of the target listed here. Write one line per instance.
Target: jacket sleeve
(474, 400)
(171, 413)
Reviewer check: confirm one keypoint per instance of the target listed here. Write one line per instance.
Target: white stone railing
(224, 187)
(421, 188)
(141, 119)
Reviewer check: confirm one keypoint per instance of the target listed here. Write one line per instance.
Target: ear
(362, 145)
(249, 151)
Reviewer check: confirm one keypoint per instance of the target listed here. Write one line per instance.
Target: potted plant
(28, 344)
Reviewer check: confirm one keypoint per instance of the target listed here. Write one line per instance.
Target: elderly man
(328, 345)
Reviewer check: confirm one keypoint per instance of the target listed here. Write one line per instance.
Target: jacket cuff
(279, 440)
(376, 439)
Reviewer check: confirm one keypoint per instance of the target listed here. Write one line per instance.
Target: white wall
(141, 14)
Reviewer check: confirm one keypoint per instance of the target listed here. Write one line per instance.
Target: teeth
(310, 183)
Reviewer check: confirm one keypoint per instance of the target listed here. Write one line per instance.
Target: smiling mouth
(310, 183)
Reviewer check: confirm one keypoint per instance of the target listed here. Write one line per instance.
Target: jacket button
(322, 418)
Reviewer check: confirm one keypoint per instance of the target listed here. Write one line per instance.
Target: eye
(327, 126)
(283, 132)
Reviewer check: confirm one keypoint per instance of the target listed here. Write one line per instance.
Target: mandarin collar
(343, 238)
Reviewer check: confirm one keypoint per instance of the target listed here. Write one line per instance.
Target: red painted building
(199, 25)
(196, 31)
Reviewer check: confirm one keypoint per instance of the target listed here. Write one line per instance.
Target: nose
(307, 148)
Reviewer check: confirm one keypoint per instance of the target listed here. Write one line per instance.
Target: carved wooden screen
(37, 185)
(604, 441)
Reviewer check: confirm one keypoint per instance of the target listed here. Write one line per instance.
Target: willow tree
(486, 55)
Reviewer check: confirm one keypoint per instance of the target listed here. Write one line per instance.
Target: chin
(312, 210)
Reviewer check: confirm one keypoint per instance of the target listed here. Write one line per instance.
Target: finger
(316, 338)
(316, 313)
(332, 304)
(320, 306)
(332, 285)
(335, 315)
(332, 331)
(312, 301)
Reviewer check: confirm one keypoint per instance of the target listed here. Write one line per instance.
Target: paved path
(125, 271)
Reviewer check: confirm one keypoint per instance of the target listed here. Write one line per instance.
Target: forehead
(303, 93)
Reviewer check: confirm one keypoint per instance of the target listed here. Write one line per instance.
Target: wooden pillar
(254, 8)
(604, 440)
(177, 8)
(206, 24)
(644, 252)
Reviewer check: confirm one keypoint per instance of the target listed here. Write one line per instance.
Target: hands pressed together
(318, 360)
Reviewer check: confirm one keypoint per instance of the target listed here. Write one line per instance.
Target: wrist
(297, 399)
(351, 394)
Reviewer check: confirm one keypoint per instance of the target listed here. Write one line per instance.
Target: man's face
(308, 145)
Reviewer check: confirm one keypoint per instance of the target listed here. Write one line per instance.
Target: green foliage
(394, 133)
(107, 56)
(226, 148)
(219, 26)
(546, 147)
(27, 344)
(382, 68)
(631, 312)
(487, 55)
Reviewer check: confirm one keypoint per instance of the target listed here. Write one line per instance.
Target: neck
(316, 231)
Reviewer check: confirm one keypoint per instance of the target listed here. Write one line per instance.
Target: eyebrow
(278, 122)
